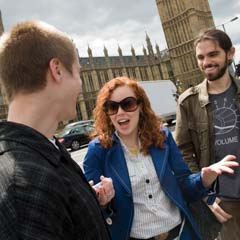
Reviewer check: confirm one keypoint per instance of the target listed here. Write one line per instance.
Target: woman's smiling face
(125, 123)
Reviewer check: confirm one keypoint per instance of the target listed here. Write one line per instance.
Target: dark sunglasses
(128, 104)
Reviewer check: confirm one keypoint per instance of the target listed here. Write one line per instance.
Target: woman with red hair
(151, 181)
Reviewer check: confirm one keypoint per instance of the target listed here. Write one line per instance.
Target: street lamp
(176, 93)
(231, 20)
(178, 85)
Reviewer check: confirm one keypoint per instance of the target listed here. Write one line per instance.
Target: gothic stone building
(98, 70)
(182, 20)
(3, 105)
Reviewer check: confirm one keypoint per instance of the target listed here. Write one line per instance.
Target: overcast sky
(110, 23)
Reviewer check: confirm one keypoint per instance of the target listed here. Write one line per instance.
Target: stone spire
(89, 51)
(133, 51)
(149, 45)
(158, 50)
(144, 51)
(105, 51)
(119, 51)
(1, 24)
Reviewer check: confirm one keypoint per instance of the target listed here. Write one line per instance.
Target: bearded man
(208, 123)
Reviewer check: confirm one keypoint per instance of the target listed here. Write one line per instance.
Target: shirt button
(147, 181)
(109, 221)
(150, 196)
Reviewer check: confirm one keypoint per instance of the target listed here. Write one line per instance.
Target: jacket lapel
(159, 158)
(119, 167)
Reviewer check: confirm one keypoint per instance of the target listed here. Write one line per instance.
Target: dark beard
(214, 77)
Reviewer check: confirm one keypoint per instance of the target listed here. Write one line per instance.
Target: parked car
(79, 123)
(75, 137)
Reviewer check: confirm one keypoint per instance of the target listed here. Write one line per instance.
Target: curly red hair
(149, 122)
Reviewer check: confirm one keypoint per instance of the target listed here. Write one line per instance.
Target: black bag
(207, 223)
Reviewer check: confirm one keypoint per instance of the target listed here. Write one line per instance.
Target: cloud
(110, 23)
(223, 12)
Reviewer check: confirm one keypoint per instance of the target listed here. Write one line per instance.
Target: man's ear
(231, 53)
(55, 68)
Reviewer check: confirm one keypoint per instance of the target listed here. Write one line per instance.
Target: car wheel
(75, 145)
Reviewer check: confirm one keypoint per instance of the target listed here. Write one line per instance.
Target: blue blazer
(178, 183)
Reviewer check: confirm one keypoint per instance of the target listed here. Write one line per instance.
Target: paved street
(78, 156)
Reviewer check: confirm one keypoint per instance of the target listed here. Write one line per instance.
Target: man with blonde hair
(43, 192)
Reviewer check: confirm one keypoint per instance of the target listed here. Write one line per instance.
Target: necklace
(134, 150)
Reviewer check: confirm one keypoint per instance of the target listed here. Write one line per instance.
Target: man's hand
(220, 214)
(210, 173)
(105, 191)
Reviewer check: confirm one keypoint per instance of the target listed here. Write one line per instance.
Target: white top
(53, 141)
(154, 213)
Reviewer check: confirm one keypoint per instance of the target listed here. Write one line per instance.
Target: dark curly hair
(149, 122)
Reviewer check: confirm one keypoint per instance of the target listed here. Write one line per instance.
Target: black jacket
(43, 192)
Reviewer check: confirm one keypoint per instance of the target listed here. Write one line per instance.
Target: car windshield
(63, 132)
(84, 122)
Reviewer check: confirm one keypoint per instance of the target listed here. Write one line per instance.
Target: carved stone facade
(95, 71)
(182, 20)
(3, 105)
(98, 70)
(1, 24)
